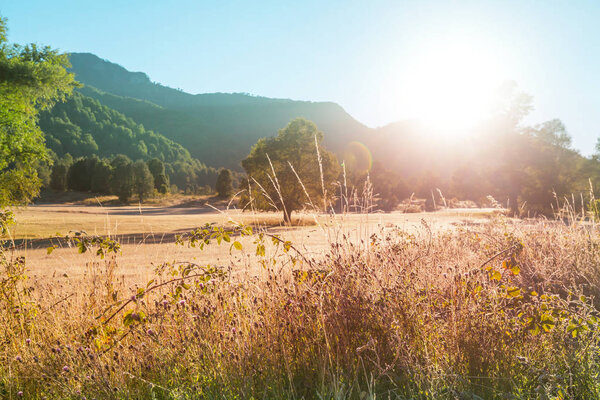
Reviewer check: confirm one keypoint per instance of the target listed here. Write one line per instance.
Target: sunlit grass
(492, 310)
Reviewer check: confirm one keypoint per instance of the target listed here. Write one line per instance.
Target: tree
(505, 148)
(31, 79)
(58, 178)
(101, 175)
(79, 177)
(157, 169)
(121, 182)
(291, 169)
(143, 182)
(224, 184)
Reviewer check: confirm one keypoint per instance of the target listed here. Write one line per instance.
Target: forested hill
(217, 128)
(82, 126)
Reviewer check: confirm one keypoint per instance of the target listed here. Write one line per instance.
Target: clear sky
(382, 61)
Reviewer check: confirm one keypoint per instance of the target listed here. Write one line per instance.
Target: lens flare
(357, 157)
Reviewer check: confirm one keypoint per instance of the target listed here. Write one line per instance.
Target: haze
(382, 61)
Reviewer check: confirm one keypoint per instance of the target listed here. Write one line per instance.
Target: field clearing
(453, 304)
(147, 234)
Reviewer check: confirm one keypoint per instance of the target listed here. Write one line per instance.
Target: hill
(81, 126)
(217, 128)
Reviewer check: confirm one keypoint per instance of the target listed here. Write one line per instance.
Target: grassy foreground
(494, 311)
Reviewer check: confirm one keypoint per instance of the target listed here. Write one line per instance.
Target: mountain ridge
(217, 128)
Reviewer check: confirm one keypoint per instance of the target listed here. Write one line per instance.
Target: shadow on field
(124, 239)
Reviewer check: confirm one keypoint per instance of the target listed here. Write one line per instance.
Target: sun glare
(450, 87)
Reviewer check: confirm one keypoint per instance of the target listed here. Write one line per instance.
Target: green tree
(121, 182)
(31, 79)
(79, 177)
(101, 176)
(157, 169)
(143, 182)
(224, 184)
(58, 178)
(287, 171)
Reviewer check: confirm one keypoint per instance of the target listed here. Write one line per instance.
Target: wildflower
(28, 341)
(182, 303)
(66, 369)
(150, 332)
(20, 393)
(19, 359)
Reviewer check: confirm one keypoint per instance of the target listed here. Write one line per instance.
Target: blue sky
(370, 57)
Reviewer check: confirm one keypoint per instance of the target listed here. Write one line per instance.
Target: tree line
(126, 178)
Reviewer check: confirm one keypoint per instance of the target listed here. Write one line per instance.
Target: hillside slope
(217, 128)
(82, 126)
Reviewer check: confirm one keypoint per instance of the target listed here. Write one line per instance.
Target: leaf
(495, 275)
(512, 292)
(547, 322)
(50, 249)
(237, 245)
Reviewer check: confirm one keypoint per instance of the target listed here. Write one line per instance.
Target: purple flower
(182, 303)
(18, 358)
(20, 393)
(66, 369)
(28, 341)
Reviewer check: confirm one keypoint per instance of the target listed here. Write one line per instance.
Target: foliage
(157, 169)
(31, 78)
(224, 184)
(122, 178)
(81, 126)
(59, 176)
(143, 181)
(291, 170)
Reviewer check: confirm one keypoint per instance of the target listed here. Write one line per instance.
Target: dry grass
(500, 309)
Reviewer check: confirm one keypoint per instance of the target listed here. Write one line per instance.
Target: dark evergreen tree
(224, 184)
(157, 169)
(143, 182)
(121, 182)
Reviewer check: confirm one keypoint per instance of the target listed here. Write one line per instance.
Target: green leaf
(50, 249)
(237, 245)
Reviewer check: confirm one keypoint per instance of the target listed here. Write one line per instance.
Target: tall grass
(500, 310)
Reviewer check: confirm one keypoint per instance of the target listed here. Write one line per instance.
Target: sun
(450, 87)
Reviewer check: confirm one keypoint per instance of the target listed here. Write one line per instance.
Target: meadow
(456, 304)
